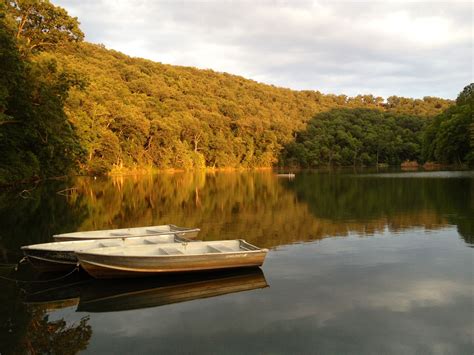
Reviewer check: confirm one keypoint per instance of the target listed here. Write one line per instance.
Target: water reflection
(410, 294)
(259, 207)
(406, 288)
(28, 329)
(279, 211)
(26, 326)
(33, 217)
(369, 203)
(120, 295)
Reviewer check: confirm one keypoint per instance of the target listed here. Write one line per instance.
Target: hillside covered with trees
(69, 106)
(137, 113)
(449, 137)
(345, 137)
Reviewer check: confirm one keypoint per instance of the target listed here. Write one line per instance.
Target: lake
(359, 263)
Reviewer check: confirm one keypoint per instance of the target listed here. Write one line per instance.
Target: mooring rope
(8, 265)
(43, 281)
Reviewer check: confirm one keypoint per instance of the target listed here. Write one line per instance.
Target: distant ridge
(140, 114)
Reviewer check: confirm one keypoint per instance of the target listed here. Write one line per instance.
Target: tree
(448, 138)
(37, 138)
(41, 25)
(356, 137)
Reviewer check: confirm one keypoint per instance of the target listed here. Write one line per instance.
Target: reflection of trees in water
(255, 206)
(56, 337)
(270, 212)
(36, 216)
(403, 202)
(28, 330)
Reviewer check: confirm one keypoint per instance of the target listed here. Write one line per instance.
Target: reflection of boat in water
(143, 260)
(109, 296)
(57, 295)
(59, 256)
(128, 294)
(129, 232)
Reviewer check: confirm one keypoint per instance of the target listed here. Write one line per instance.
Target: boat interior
(105, 243)
(176, 249)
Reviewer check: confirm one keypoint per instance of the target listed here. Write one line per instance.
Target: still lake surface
(359, 263)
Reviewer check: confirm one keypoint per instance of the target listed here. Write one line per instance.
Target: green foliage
(344, 137)
(37, 140)
(139, 114)
(41, 25)
(177, 117)
(449, 138)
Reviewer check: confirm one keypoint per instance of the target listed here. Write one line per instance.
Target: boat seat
(219, 248)
(109, 244)
(170, 251)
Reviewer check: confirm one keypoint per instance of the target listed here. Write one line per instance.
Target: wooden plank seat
(219, 248)
(104, 244)
(170, 251)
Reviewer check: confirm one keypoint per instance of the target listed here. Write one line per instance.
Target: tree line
(70, 106)
(366, 137)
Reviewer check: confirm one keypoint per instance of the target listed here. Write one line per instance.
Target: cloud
(403, 48)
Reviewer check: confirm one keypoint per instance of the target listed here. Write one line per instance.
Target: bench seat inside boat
(219, 248)
(109, 243)
(170, 251)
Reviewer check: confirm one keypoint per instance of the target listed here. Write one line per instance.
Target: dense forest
(36, 137)
(67, 106)
(356, 137)
(449, 137)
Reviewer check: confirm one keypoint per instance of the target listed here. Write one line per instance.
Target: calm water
(368, 263)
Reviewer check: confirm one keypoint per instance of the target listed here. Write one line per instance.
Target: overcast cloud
(384, 48)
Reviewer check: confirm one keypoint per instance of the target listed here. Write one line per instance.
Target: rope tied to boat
(76, 269)
(13, 266)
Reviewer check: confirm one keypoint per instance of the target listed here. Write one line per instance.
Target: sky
(402, 48)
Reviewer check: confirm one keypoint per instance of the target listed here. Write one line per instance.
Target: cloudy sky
(400, 48)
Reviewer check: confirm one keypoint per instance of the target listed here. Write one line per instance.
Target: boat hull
(111, 266)
(51, 261)
(44, 257)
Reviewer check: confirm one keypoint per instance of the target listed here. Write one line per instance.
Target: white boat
(61, 255)
(188, 233)
(144, 260)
